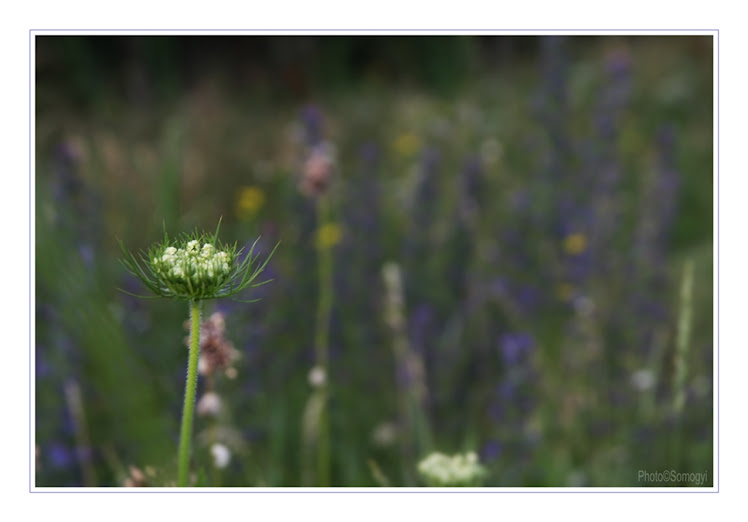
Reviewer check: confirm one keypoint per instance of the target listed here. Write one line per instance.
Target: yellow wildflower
(329, 235)
(575, 244)
(406, 144)
(564, 291)
(250, 200)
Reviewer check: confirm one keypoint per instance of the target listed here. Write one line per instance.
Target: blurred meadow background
(490, 244)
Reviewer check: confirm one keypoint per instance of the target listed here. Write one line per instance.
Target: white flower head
(458, 470)
(211, 266)
(195, 267)
(643, 379)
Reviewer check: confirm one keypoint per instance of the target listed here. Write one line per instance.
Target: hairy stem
(185, 437)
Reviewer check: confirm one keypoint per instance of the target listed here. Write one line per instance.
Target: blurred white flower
(317, 377)
(221, 455)
(643, 380)
(384, 434)
(458, 470)
(209, 404)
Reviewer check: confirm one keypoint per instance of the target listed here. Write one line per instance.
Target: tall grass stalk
(681, 362)
(682, 341)
(416, 438)
(321, 341)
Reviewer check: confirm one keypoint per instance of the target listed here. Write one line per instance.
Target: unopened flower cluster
(439, 470)
(193, 267)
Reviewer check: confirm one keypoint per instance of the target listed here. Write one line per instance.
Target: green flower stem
(185, 437)
(324, 306)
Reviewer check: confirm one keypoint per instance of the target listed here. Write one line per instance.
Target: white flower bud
(207, 250)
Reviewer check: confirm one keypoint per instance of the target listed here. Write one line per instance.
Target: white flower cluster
(221, 455)
(444, 471)
(194, 265)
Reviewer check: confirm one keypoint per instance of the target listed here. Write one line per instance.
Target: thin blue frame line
(718, 258)
(31, 39)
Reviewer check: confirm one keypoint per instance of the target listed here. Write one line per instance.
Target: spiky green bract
(194, 267)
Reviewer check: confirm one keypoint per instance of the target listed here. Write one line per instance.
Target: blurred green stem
(682, 341)
(681, 360)
(75, 405)
(324, 306)
(185, 437)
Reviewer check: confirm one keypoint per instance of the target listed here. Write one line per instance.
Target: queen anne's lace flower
(194, 268)
(444, 471)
